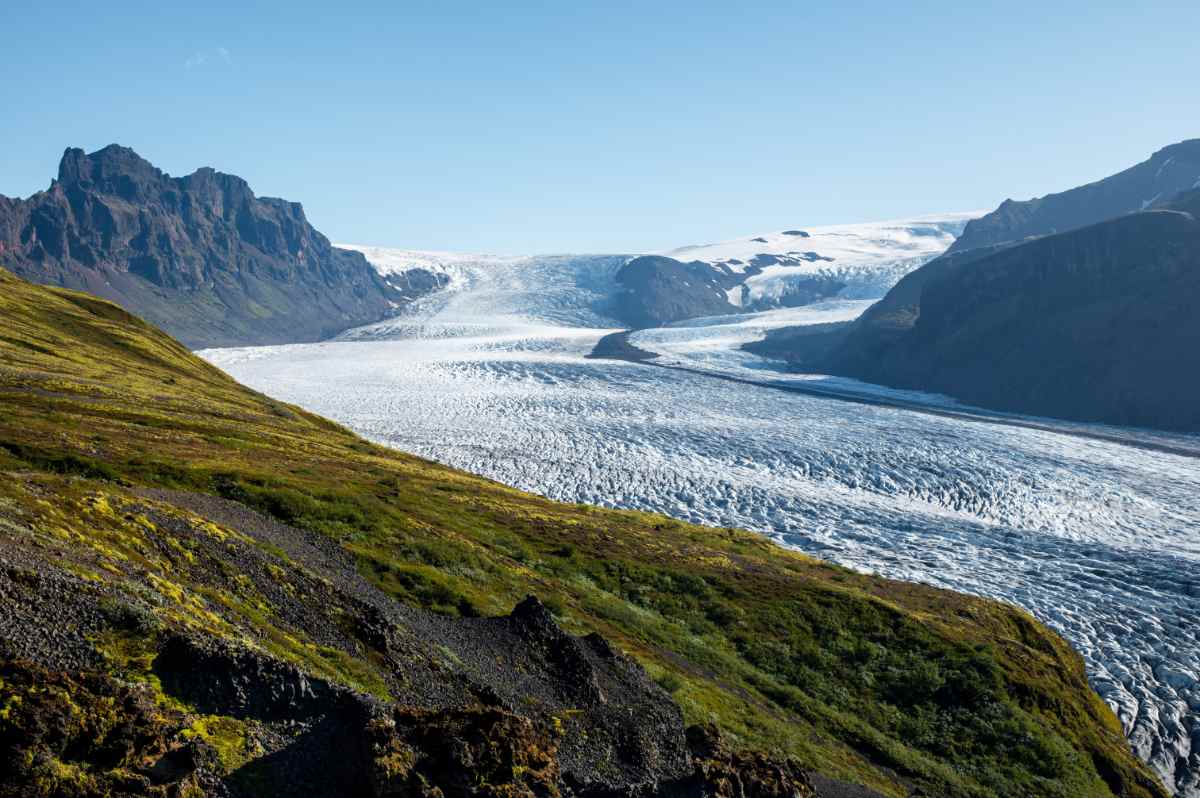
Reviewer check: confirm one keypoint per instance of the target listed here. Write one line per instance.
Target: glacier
(1098, 537)
(868, 257)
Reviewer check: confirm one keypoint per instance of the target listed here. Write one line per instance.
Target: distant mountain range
(201, 256)
(1098, 323)
(786, 268)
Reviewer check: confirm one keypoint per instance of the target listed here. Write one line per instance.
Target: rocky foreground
(500, 706)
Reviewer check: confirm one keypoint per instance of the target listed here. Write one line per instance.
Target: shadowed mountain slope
(1098, 324)
(1166, 173)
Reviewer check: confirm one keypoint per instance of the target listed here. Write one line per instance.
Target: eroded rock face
(88, 734)
(302, 735)
(200, 256)
(221, 679)
(722, 773)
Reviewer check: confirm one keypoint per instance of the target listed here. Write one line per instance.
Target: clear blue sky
(537, 127)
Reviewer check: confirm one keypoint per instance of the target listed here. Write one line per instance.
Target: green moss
(228, 738)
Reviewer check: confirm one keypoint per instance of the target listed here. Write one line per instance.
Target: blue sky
(620, 127)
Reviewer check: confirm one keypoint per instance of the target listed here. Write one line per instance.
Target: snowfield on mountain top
(1099, 539)
(869, 257)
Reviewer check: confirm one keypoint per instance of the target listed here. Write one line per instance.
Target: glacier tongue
(1099, 539)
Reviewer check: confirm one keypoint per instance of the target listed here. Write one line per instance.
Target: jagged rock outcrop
(1166, 173)
(89, 734)
(657, 290)
(201, 256)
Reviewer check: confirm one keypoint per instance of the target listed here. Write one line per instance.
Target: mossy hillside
(884, 683)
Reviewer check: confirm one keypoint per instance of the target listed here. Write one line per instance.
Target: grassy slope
(885, 683)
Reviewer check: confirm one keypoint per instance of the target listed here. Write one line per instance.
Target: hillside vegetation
(159, 521)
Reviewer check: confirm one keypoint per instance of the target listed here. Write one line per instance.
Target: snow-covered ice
(868, 257)
(1099, 539)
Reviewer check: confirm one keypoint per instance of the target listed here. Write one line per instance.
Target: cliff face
(1166, 173)
(200, 256)
(1098, 324)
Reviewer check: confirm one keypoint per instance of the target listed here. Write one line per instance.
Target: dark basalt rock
(619, 728)
(657, 290)
(564, 655)
(201, 256)
(116, 737)
(592, 723)
(218, 678)
(721, 773)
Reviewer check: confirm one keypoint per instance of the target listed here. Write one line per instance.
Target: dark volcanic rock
(216, 677)
(201, 256)
(721, 773)
(1169, 171)
(121, 742)
(656, 290)
(1098, 324)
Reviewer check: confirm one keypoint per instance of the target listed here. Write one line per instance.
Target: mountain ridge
(199, 255)
(1166, 173)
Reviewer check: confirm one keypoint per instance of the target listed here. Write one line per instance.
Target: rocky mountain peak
(113, 170)
(200, 255)
(1187, 150)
